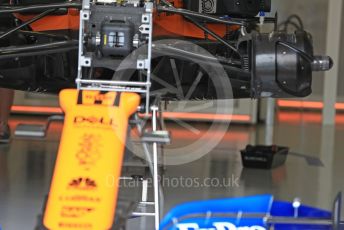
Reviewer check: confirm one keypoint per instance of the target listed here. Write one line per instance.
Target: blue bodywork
(238, 214)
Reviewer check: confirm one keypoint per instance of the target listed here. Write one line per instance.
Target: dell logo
(93, 120)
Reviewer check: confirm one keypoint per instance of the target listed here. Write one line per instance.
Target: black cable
(296, 50)
(29, 48)
(182, 52)
(167, 3)
(36, 18)
(184, 12)
(298, 18)
(21, 9)
(199, 25)
(256, 20)
(217, 37)
(44, 34)
(286, 26)
(39, 52)
(298, 25)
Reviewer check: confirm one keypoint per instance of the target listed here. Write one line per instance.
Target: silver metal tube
(144, 195)
(301, 221)
(156, 174)
(149, 69)
(80, 52)
(147, 203)
(143, 214)
(270, 121)
(120, 83)
(113, 89)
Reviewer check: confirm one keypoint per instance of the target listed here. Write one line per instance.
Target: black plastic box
(241, 8)
(264, 157)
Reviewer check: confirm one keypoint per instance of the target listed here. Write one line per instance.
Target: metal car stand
(151, 140)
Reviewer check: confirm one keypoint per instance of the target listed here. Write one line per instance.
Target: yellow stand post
(84, 187)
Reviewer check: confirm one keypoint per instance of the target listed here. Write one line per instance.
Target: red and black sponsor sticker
(82, 183)
(75, 212)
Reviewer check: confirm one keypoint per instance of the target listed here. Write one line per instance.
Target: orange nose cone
(84, 187)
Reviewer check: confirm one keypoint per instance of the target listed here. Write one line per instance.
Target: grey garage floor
(314, 172)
